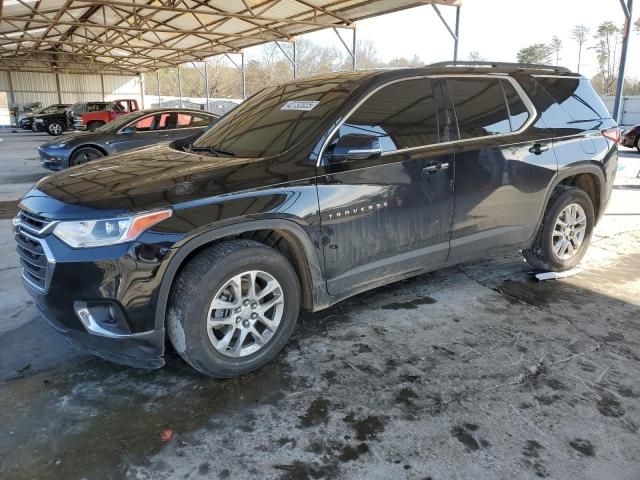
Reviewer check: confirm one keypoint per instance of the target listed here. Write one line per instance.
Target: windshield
(276, 119)
(53, 108)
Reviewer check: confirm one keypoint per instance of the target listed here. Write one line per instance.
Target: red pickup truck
(117, 108)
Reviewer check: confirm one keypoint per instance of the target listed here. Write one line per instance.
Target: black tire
(33, 127)
(637, 144)
(541, 255)
(55, 128)
(84, 155)
(194, 289)
(93, 126)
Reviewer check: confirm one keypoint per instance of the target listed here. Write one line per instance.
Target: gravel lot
(477, 371)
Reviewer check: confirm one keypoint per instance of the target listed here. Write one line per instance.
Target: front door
(388, 216)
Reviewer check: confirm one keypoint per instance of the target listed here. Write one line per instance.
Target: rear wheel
(93, 126)
(84, 155)
(55, 128)
(565, 233)
(233, 308)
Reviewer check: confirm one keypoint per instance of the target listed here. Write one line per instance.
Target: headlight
(98, 233)
(57, 145)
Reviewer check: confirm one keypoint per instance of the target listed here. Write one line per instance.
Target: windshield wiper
(219, 152)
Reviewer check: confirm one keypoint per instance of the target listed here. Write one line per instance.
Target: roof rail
(501, 64)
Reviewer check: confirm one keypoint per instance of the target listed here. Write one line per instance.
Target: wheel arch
(577, 176)
(306, 261)
(100, 148)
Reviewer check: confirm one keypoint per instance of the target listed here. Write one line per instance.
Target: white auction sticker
(300, 105)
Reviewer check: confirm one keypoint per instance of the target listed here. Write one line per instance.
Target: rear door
(386, 217)
(504, 163)
(186, 124)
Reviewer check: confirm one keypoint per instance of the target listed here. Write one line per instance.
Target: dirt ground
(473, 372)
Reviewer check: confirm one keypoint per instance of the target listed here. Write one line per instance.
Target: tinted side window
(480, 107)
(576, 96)
(401, 115)
(518, 113)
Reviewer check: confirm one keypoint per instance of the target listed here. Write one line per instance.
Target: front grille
(33, 223)
(28, 227)
(33, 260)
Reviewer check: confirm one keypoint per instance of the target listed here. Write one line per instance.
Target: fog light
(104, 319)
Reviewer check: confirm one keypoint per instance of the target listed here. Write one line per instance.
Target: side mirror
(128, 130)
(355, 146)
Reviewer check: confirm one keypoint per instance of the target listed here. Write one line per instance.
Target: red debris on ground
(166, 435)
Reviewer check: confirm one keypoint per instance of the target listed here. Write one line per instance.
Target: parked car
(57, 122)
(311, 192)
(631, 137)
(137, 129)
(94, 120)
(77, 109)
(25, 121)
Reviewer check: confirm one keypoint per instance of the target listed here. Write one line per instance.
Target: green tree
(556, 47)
(536, 53)
(580, 34)
(607, 39)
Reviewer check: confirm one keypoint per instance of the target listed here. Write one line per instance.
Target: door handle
(431, 169)
(538, 148)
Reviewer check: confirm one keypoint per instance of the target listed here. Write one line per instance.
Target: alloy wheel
(569, 231)
(245, 313)
(55, 129)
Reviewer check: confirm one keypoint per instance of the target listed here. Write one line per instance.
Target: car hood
(145, 179)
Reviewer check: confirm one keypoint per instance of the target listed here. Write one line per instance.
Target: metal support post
(628, 12)
(242, 72)
(351, 51)
(158, 81)
(180, 85)
(291, 58)
(206, 81)
(454, 33)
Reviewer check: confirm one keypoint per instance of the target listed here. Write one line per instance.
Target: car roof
(174, 109)
(442, 68)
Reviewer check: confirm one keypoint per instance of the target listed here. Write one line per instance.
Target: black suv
(55, 123)
(308, 193)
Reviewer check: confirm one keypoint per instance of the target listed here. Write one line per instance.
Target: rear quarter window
(576, 97)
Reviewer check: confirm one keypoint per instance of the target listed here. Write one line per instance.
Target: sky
(497, 29)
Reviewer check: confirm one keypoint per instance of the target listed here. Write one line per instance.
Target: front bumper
(54, 158)
(117, 285)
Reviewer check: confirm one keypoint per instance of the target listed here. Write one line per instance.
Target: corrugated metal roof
(116, 36)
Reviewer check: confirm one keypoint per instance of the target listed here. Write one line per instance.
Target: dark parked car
(631, 137)
(137, 129)
(25, 121)
(308, 193)
(55, 123)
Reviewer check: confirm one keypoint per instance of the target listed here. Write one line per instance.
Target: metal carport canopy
(118, 37)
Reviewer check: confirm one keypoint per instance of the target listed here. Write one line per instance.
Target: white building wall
(630, 109)
(24, 88)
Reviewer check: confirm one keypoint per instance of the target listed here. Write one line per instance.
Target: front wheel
(84, 155)
(233, 307)
(55, 128)
(565, 233)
